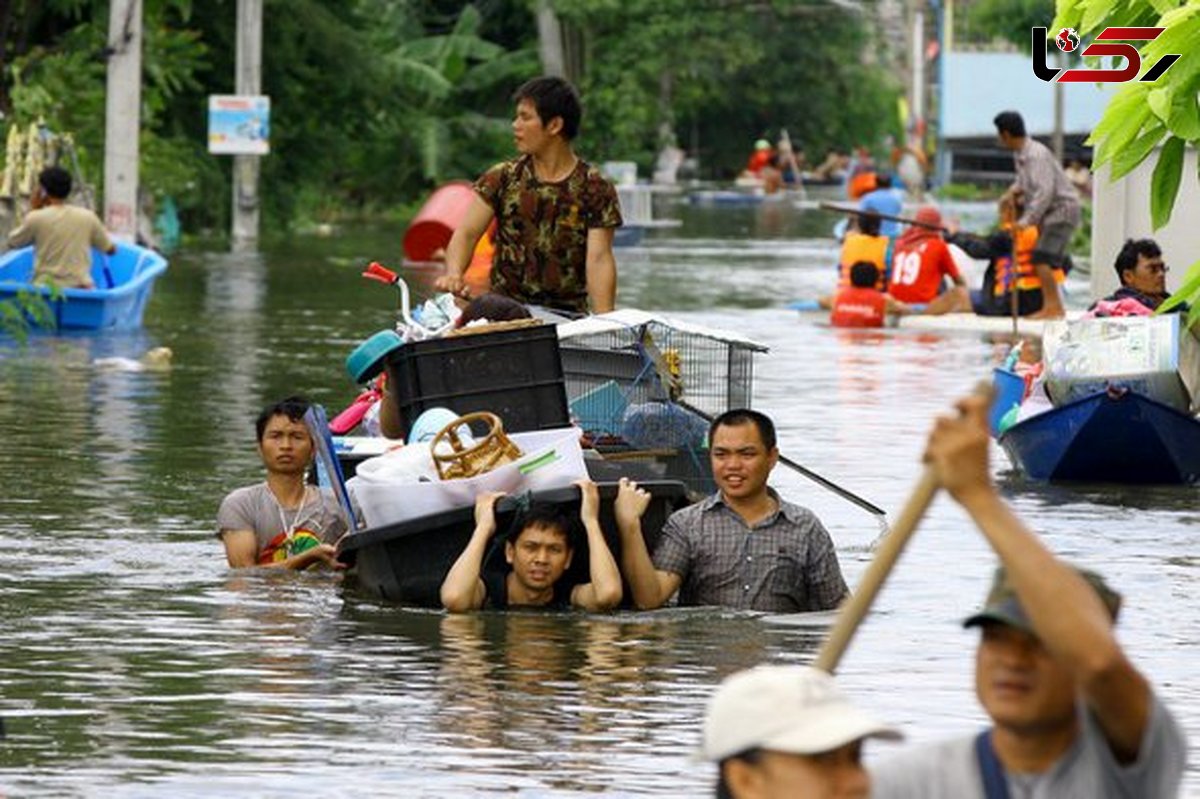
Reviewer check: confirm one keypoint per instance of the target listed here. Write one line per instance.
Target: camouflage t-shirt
(542, 228)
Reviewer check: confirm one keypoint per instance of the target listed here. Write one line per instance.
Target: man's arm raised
(604, 590)
(1067, 615)
(651, 588)
(463, 590)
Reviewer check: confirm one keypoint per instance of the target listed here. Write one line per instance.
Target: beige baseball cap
(793, 709)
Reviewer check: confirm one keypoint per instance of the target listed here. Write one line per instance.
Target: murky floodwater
(133, 663)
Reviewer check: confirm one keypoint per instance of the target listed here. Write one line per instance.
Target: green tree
(1144, 116)
(724, 74)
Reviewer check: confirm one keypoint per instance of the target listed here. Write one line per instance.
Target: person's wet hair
(737, 416)
(293, 407)
(56, 182)
(864, 274)
(553, 97)
(544, 516)
(494, 308)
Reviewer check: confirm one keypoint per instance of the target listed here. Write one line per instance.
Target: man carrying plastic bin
(555, 213)
(538, 555)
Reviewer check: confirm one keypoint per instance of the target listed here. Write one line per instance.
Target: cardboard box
(1152, 355)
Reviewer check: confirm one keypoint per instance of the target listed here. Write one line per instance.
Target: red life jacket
(858, 307)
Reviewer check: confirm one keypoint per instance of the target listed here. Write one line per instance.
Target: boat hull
(407, 561)
(127, 278)
(1107, 437)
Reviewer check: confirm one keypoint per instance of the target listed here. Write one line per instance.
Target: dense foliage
(375, 101)
(1143, 118)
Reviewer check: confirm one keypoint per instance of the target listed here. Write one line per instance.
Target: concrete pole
(1056, 140)
(122, 118)
(918, 66)
(550, 41)
(246, 167)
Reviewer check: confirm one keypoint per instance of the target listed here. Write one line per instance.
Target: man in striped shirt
(1051, 205)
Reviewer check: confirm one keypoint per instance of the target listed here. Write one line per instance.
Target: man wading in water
(284, 523)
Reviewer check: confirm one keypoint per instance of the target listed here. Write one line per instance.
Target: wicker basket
(493, 450)
(496, 327)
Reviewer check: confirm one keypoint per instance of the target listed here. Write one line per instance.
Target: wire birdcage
(651, 383)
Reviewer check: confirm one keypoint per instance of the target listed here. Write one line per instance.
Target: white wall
(1121, 211)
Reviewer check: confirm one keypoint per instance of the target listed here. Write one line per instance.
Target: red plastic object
(377, 271)
(433, 225)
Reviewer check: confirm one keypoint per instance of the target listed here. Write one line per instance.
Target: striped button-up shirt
(784, 563)
(1050, 199)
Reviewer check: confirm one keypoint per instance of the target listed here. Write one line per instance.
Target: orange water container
(860, 184)
(433, 225)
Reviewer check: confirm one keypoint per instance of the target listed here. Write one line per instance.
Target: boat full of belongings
(1115, 402)
(625, 394)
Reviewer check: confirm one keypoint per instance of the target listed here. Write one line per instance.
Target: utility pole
(550, 41)
(246, 167)
(1056, 139)
(122, 118)
(918, 70)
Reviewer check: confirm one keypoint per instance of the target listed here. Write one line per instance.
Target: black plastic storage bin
(516, 374)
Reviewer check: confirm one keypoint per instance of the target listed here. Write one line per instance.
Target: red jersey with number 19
(918, 269)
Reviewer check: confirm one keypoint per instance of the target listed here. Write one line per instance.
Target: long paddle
(824, 482)
(859, 604)
(651, 351)
(850, 209)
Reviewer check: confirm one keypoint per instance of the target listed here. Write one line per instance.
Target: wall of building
(1121, 211)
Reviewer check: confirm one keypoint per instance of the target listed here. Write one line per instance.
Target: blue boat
(1113, 436)
(124, 282)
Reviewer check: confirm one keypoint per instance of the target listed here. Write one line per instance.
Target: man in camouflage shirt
(555, 213)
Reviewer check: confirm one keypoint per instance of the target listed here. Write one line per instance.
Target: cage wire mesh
(652, 388)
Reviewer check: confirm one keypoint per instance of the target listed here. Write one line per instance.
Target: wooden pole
(859, 604)
(855, 609)
(244, 235)
(122, 118)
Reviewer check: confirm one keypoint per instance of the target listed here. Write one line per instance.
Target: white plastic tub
(550, 459)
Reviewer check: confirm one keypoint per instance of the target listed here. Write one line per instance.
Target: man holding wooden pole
(1051, 205)
(1071, 715)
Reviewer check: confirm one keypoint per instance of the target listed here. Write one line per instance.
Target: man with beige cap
(1072, 717)
(787, 731)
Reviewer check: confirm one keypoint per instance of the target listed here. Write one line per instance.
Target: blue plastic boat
(124, 281)
(1114, 436)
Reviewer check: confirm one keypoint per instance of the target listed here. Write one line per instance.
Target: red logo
(1068, 41)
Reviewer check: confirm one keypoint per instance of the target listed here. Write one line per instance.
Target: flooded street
(134, 663)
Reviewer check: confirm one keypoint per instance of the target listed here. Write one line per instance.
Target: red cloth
(918, 268)
(758, 160)
(858, 307)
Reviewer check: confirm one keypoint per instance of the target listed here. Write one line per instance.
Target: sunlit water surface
(134, 663)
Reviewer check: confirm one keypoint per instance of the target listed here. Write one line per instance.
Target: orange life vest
(861, 247)
(1027, 279)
